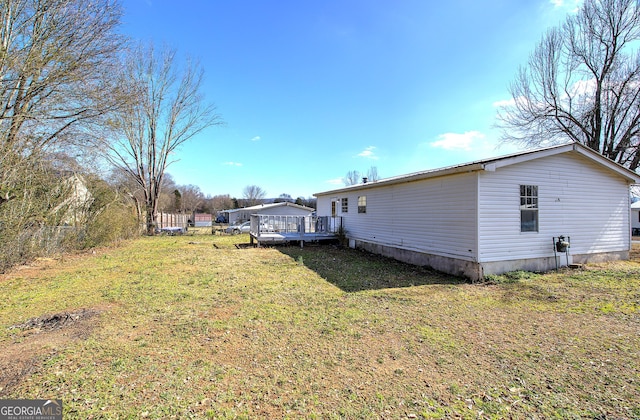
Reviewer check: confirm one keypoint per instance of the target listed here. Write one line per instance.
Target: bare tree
(253, 195)
(192, 197)
(56, 63)
(131, 190)
(308, 202)
(372, 174)
(582, 84)
(354, 177)
(167, 197)
(351, 178)
(220, 202)
(169, 111)
(284, 198)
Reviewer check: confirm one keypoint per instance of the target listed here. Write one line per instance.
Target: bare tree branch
(582, 84)
(351, 178)
(56, 58)
(169, 110)
(253, 195)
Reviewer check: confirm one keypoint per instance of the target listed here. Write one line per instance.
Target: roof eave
(498, 162)
(418, 176)
(628, 174)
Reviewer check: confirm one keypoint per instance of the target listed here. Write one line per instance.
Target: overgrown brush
(47, 215)
(111, 217)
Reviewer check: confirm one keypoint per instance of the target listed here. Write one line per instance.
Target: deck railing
(262, 224)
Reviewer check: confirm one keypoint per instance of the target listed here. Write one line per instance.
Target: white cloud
(583, 87)
(335, 181)
(368, 153)
(232, 163)
(571, 5)
(457, 141)
(256, 138)
(504, 102)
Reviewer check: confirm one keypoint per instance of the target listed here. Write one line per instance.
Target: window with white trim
(528, 208)
(362, 204)
(344, 205)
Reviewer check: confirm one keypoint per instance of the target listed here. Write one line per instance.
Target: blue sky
(310, 90)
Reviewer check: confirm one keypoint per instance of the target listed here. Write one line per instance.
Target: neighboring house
(237, 216)
(77, 202)
(495, 215)
(635, 218)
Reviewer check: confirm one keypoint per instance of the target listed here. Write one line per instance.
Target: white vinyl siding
(475, 216)
(576, 198)
(436, 216)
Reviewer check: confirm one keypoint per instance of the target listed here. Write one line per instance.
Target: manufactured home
(494, 215)
(237, 216)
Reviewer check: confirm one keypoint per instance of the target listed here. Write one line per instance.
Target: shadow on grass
(354, 270)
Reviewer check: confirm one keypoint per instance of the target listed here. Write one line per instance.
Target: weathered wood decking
(283, 229)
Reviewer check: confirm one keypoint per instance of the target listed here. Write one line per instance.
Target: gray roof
(270, 206)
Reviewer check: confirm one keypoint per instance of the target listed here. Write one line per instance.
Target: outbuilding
(496, 215)
(202, 219)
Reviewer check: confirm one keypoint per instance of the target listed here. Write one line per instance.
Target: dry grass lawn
(195, 327)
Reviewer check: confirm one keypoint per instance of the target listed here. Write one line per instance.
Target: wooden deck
(284, 229)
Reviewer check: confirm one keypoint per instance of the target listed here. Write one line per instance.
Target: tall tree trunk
(151, 220)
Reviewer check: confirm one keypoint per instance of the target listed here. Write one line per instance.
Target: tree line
(176, 198)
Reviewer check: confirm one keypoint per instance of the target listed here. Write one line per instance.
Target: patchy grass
(194, 327)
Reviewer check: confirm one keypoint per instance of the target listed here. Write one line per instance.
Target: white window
(362, 204)
(345, 205)
(528, 208)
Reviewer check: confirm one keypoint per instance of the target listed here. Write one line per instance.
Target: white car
(236, 229)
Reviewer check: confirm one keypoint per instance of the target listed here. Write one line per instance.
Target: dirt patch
(56, 321)
(39, 339)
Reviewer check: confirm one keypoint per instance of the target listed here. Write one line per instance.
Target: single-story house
(237, 216)
(494, 215)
